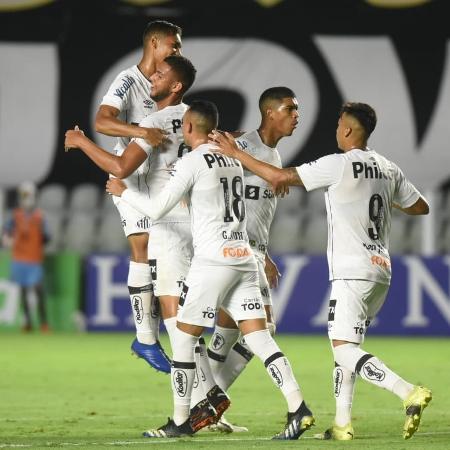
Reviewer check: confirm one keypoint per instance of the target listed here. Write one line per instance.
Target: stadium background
(58, 57)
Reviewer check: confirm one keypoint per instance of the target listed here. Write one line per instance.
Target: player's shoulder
(172, 112)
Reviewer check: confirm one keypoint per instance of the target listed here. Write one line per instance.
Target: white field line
(155, 441)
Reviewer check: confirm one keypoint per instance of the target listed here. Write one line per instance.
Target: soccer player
(279, 118)
(26, 232)
(361, 188)
(123, 107)
(173, 77)
(223, 270)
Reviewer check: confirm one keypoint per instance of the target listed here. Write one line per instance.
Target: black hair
(274, 93)
(184, 69)
(363, 113)
(208, 112)
(160, 27)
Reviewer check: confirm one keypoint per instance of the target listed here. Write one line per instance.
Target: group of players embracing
(196, 206)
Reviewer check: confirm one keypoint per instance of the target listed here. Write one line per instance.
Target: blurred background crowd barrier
(59, 57)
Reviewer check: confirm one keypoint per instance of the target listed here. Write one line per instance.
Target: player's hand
(281, 190)
(223, 142)
(272, 272)
(73, 138)
(115, 186)
(155, 136)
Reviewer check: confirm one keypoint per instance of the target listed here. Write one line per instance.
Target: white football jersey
(260, 201)
(361, 187)
(156, 171)
(130, 94)
(214, 185)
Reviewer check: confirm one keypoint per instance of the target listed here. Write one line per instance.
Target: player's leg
(197, 309)
(246, 307)
(170, 252)
(20, 276)
(143, 304)
(356, 302)
(42, 310)
(240, 355)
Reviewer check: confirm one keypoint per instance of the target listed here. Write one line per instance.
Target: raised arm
(119, 166)
(107, 122)
(159, 205)
(224, 143)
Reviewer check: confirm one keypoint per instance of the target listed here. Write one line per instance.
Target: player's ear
(177, 86)
(348, 132)
(269, 113)
(154, 42)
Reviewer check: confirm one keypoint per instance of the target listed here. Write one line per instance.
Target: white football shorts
(353, 305)
(133, 221)
(209, 288)
(169, 254)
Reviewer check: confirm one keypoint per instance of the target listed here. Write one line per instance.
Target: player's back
(359, 215)
(218, 215)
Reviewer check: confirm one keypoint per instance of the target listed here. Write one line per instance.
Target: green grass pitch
(86, 391)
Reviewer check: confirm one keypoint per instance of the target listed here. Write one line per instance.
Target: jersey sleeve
(322, 172)
(183, 176)
(406, 194)
(119, 93)
(147, 122)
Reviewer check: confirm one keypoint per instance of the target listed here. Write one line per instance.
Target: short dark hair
(275, 93)
(183, 68)
(208, 112)
(160, 27)
(363, 113)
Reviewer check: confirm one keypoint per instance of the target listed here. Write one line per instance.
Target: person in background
(26, 232)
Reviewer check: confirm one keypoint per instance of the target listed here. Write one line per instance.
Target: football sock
(171, 325)
(236, 361)
(344, 387)
(204, 369)
(219, 346)
(371, 369)
(141, 293)
(182, 374)
(277, 365)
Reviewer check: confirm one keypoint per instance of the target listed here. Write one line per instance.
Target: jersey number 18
(234, 200)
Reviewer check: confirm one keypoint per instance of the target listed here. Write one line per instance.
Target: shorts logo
(265, 292)
(153, 269)
(143, 223)
(210, 313)
(251, 304)
(337, 382)
(275, 374)
(180, 382)
(331, 310)
(138, 308)
(372, 372)
(123, 222)
(183, 294)
(218, 342)
(252, 192)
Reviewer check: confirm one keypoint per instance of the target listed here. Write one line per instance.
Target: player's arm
(420, 207)
(159, 205)
(224, 143)
(119, 166)
(272, 272)
(107, 122)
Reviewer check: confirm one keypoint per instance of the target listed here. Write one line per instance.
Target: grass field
(86, 391)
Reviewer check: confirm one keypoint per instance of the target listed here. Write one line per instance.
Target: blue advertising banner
(418, 302)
